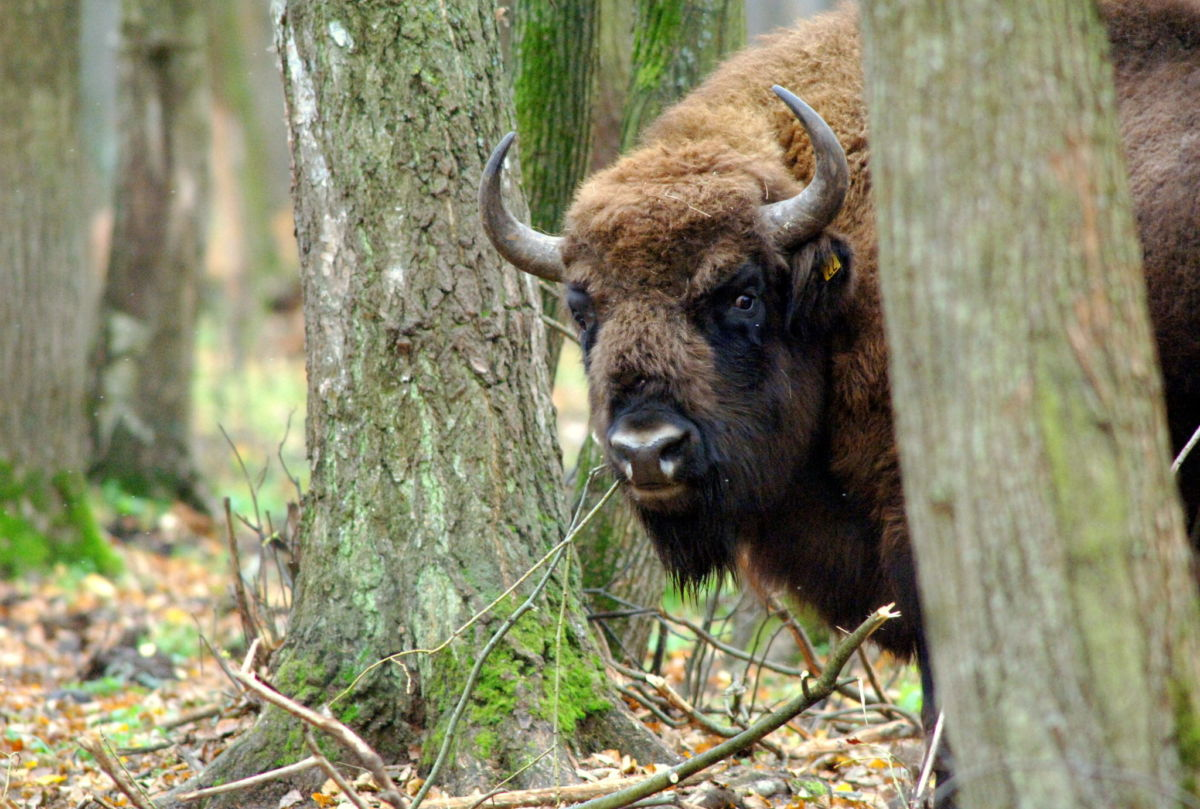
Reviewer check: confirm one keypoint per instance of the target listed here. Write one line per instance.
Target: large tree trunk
(141, 415)
(435, 477)
(46, 311)
(1054, 571)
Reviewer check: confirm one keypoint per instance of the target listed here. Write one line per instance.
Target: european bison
(723, 281)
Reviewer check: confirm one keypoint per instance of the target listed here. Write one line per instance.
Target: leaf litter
(122, 662)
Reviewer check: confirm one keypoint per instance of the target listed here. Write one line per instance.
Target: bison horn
(524, 247)
(795, 220)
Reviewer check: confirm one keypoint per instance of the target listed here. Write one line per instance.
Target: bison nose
(649, 455)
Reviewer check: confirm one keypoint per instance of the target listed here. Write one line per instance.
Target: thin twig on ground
(332, 771)
(546, 796)
(253, 780)
(811, 694)
(343, 734)
(113, 768)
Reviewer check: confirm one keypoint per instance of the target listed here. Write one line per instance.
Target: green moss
(46, 520)
(1187, 734)
(521, 675)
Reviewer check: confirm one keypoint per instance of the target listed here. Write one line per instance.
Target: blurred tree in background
(141, 397)
(48, 307)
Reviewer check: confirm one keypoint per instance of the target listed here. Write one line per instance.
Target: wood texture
(434, 468)
(1055, 576)
(142, 383)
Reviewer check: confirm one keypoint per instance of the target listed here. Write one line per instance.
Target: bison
(723, 280)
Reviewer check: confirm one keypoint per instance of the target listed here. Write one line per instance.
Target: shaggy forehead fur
(671, 219)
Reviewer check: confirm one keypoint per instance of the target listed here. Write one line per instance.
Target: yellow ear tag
(832, 267)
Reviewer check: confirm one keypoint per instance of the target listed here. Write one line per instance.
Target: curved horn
(792, 221)
(525, 248)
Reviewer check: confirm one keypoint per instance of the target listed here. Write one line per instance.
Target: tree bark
(552, 91)
(675, 44)
(435, 480)
(141, 391)
(47, 309)
(1054, 571)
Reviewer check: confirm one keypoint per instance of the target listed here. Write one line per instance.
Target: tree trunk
(1054, 571)
(141, 416)
(248, 110)
(675, 44)
(435, 480)
(552, 92)
(46, 311)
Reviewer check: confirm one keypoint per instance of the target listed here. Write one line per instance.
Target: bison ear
(822, 280)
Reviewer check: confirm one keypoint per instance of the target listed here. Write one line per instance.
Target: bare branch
(1185, 452)
(254, 780)
(332, 771)
(347, 737)
(113, 768)
(822, 688)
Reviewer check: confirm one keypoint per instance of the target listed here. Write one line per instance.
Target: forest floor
(127, 663)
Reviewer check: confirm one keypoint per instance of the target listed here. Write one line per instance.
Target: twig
(873, 734)
(1185, 452)
(348, 738)
(287, 430)
(871, 678)
(191, 716)
(780, 611)
(253, 780)
(113, 768)
(246, 475)
(228, 672)
(560, 328)
(239, 586)
(647, 703)
(823, 687)
(935, 740)
(677, 701)
(332, 771)
(533, 797)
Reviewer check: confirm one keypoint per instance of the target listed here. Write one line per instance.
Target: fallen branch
(546, 796)
(253, 780)
(113, 768)
(332, 771)
(347, 737)
(811, 694)
(873, 734)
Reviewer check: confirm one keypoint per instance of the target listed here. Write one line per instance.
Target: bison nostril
(648, 456)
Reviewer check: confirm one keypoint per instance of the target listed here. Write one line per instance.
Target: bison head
(704, 290)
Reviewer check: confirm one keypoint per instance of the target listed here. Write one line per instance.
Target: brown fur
(651, 237)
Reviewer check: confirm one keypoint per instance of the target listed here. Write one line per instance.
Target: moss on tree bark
(435, 476)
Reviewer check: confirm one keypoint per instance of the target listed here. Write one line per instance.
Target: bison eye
(582, 311)
(745, 302)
